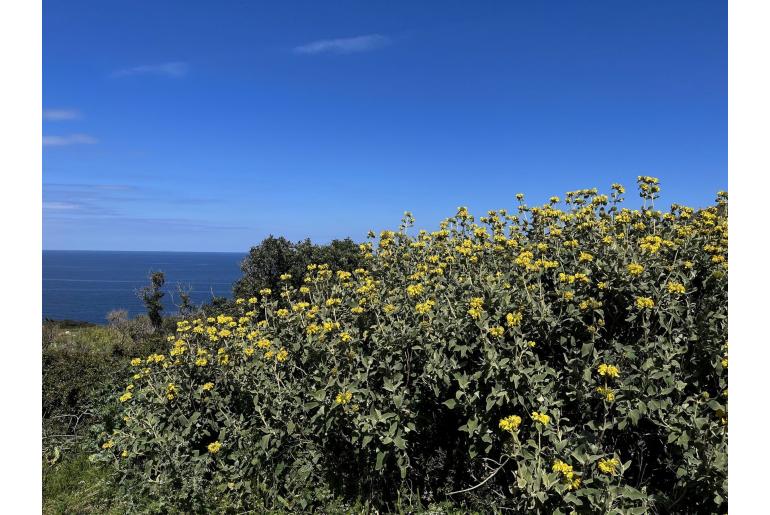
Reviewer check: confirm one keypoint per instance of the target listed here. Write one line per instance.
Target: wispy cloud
(344, 45)
(56, 115)
(60, 206)
(172, 69)
(70, 139)
(86, 200)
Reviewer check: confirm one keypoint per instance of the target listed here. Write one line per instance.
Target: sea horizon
(85, 285)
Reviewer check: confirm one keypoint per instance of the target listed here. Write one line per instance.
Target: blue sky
(209, 125)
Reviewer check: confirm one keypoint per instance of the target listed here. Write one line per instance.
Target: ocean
(86, 285)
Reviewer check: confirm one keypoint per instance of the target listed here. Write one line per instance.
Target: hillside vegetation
(549, 359)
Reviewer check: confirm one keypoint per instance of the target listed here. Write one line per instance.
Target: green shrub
(274, 257)
(546, 361)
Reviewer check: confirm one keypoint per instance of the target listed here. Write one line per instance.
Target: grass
(75, 485)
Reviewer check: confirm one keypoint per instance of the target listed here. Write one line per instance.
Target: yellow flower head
(496, 332)
(609, 466)
(424, 307)
(606, 392)
(343, 397)
(510, 423)
(635, 269)
(513, 319)
(645, 303)
(214, 447)
(208, 386)
(541, 418)
(675, 288)
(608, 370)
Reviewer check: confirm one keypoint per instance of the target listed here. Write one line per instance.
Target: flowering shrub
(548, 360)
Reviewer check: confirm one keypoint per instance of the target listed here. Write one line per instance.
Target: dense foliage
(549, 360)
(274, 257)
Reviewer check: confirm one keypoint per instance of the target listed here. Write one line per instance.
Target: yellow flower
(283, 312)
(263, 343)
(496, 331)
(414, 289)
(136, 362)
(724, 362)
(124, 454)
(265, 292)
(476, 302)
(510, 423)
(343, 397)
(126, 396)
(562, 468)
(253, 300)
(285, 277)
(675, 288)
(333, 301)
(424, 307)
(609, 466)
(635, 269)
(585, 257)
(541, 418)
(606, 392)
(282, 355)
(513, 319)
(108, 444)
(208, 386)
(214, 447)
(608, 370)
(345, 336)
(645, 303)
(201, 362)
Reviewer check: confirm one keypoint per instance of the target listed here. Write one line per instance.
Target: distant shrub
(152, 297)
(274, 257)
(552, 360)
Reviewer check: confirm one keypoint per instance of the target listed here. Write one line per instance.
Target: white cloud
(56, 115)
(344, 45)
(173, 69)
(60, 206)
(71, 139)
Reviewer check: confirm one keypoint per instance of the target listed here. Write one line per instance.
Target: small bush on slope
(548, 360)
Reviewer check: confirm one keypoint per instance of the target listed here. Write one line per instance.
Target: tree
(274, 257)
(185, 306)
(152, 296)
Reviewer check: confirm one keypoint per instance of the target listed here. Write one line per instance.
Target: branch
(487, 479)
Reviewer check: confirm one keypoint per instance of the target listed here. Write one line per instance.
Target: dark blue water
(86, 285)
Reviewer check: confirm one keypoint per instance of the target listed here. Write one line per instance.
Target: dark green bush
(274, 257)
